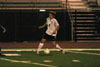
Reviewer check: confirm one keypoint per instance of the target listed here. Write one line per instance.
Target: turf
(58, 59)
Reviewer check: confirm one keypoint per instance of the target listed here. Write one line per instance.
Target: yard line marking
(27, 62)
(12, 54)
(84, 53)
(47, 61)
(75, 60)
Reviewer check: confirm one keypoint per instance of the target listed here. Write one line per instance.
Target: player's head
(52, 14)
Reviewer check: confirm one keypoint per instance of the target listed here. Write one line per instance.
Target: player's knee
(43, 40)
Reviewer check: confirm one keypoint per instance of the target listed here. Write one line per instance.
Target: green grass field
(72, 58)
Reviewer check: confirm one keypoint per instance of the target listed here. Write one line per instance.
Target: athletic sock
(40, 46)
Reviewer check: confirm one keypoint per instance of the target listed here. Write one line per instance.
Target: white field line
(27, 62)
(12, 54)
(84, 53)
(88, 49)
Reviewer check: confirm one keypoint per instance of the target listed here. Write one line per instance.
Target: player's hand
(4, 31)
(54, 32)
(40, 27)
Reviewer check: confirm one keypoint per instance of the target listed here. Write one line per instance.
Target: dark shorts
(48, 37)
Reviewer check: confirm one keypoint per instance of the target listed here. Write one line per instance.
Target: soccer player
(51, 32)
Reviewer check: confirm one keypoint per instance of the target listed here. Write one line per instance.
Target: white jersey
(51, 26)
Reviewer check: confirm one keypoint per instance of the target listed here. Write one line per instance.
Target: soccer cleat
(62, 51)
(2, 55)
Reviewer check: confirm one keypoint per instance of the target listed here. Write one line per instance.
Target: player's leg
(41, 44)
(53, 39)
(57, 45)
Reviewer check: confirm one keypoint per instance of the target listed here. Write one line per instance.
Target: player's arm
(44, 25)
(4, 29)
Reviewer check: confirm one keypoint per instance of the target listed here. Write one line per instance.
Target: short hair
(53, 13)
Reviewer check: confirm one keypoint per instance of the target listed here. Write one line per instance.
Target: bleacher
(84, 21)
(31, 4)
(91, 3)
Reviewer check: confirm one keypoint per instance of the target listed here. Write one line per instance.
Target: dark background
(23, 25)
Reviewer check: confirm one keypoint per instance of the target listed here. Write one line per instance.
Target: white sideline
(82, 49)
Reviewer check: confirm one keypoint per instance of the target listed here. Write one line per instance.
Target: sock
(57, 46)
(40, 46)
